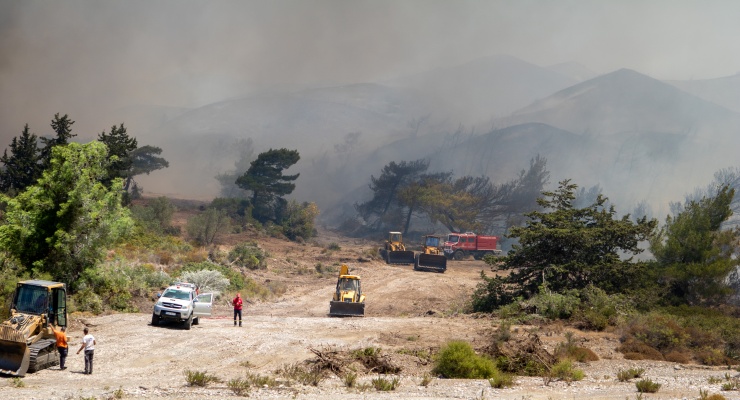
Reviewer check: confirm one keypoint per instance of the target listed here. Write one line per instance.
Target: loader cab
(42, 298)
(431, 241)
(395, 237)
(348, 284)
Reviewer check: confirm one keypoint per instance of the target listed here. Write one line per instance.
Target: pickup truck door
(203, 305)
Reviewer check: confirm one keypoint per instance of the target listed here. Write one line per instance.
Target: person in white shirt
(88, 344)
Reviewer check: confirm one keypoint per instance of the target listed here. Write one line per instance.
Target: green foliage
(207, 280)
(565, 371)
(62, 126)
(266, 181)
(458, 360)
(248, 255)
(501, 380)
(694, 255)
(310, 376)
(632, 373)
(238, 209)
(205, 227)
(156, 215)
(239, 386)
(350, 379)
(383, 384)
(647, 386)
(298, 221)
(566, 248)
(236, 280)
(257, 380)
(23, 166)
(120, 146)
(63, 224)
(200, 378)
(144, 160)
(17, 382)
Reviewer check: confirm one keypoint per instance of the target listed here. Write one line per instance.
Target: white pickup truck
(181, 303)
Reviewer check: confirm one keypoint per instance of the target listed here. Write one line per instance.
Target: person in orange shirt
(62, 347)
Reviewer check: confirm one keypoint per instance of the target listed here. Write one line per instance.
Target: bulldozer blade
(401, 257)
(346, 309)
(14, 352)
(431, 262)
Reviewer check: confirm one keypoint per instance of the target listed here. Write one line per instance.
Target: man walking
(237, 302)
(88, 343)
(62, 347)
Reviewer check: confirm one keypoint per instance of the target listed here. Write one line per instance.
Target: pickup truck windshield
(177, 294)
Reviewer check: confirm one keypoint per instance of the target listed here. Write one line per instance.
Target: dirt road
(408, 313)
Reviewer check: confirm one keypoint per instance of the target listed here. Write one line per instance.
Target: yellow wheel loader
(27, 342)
(395, 251)
(431, 257)
(348, 300)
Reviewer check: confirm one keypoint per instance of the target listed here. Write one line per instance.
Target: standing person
(237, 302)
(88, 343)
(62, 346)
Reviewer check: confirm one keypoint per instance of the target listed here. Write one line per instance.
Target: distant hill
(722, 91)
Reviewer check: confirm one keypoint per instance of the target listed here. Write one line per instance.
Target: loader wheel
(416, 263)
(458, 255)
(155, 319)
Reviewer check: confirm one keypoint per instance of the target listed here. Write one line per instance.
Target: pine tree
(22, 167)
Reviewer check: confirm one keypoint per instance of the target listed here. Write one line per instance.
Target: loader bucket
(431, 262)
(401, 257)
(346, 309)
(14, 352)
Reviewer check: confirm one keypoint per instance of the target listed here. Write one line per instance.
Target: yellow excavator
(432, 256)
(27, 342)
(395, 251)
(348, 300)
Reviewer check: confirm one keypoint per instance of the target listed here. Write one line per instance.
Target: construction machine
(348, 300)
(432, 255)
(395, 251)
(27, 342)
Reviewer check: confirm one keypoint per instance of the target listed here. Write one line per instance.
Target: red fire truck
(461, 245)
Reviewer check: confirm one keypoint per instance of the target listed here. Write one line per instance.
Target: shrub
(647, 386)
(350, 379)
(205, 227)
(570, 349)
(206, 280)
(298, 220)
(501, 380)
(236, 279)
(248, 255)
(458, 360)
(555, 305)
(199, 378)
(625, 375)
(382, 384)
(260, 380)
(239, 386)
(156, 216)
(307, 376)
(425, 380)
(87, 300)
(565, 371)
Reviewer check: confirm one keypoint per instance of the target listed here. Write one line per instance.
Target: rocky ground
(409, 315)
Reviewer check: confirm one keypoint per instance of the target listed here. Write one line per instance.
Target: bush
(307, 376)
(647, 386)
(239, 386)
(501, 380)
(200, 378)
(565, 371)
(206, 280)
(298, 220)
(248, 255)
(237, 281)
(205, 227)
(458, 360)
(383, 385)
(625, 375)
(156, 216)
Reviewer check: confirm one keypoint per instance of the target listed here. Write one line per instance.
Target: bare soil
(409, 315)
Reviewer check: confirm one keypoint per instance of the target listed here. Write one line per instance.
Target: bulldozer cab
(44, 298)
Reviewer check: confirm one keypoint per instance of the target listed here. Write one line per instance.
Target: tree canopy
(120, 145)
(564, 247)
(62, 224)
(22, 167)
(265, 180)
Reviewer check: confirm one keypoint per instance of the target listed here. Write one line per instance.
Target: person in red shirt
(237, 302)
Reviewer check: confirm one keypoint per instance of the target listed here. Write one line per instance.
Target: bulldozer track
(43, 355)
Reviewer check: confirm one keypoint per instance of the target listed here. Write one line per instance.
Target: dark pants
(88, 361)
(62, 356)
(239, 313)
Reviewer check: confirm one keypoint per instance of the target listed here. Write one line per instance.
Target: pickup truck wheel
(189, 323)
(155, 319)
(458, 255)
(196, 321)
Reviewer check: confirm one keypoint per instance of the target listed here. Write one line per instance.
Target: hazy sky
(88, 57)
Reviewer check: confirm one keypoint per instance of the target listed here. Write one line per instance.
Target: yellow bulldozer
(27, 342)
(432, 256)
(395, 251)
(348, 300)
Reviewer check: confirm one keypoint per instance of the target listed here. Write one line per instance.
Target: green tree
(299, 220)
(120, 145)
(564, 247)
(23, 166)
(63, 224)
(62, 127)
(266, 181)
(382, 210)
(144, 160)
(694, 255)
(205, 227)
